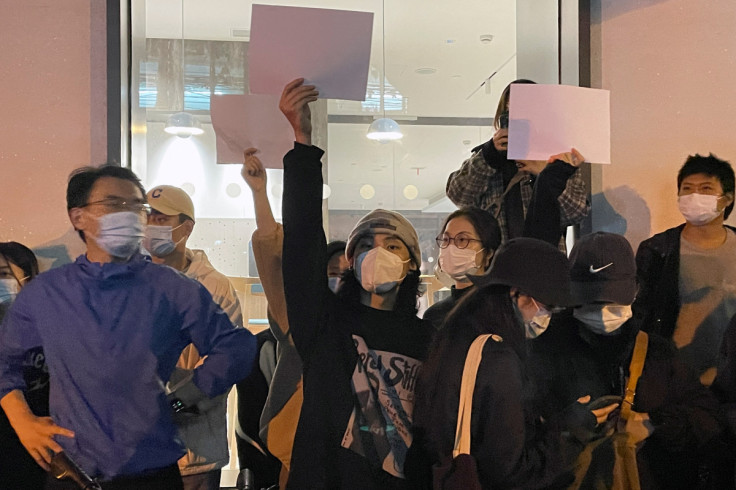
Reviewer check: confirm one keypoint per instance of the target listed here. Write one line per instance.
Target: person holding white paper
(361, 349)
(504, 188)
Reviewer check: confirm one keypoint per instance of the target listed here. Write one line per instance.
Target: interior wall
(670, 69)
(53, 115)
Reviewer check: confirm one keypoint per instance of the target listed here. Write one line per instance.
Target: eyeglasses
(460, 241)
(119, 205)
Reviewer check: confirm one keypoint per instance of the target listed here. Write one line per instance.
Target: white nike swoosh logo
(596, 271)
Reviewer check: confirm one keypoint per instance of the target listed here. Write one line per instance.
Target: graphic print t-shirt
(379, 427)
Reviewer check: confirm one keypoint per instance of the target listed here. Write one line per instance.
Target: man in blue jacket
(113, 325)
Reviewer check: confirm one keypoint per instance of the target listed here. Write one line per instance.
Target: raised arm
(305, 279)
(543, 217)
(267, 241)
(468, 186)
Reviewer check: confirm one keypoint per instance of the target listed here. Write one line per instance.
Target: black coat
(568, 362)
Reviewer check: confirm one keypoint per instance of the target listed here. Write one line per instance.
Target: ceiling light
(384, 129)
(183, 125)
(367, 191)
(411, 192)
(486, 38)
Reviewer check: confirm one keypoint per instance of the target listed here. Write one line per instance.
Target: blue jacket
(112, 334)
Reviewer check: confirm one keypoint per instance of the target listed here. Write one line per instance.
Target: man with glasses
(112, 326)
(687, 277)
(170, 224)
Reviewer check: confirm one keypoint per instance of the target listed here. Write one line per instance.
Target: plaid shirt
(479, 183)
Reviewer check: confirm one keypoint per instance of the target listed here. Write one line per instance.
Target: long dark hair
(481, 311)
(406, 299)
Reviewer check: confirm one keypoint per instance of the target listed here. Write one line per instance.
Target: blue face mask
(120, 234)
(333, 283)
(9, 289)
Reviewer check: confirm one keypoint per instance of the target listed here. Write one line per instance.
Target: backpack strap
(635, 369)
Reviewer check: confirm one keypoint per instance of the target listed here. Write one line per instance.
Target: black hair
(82, 180)
(20, 256)
(406, 299)
(486, 226)
(713, 167)
(335, 247)
(486, 310)
(504, 100)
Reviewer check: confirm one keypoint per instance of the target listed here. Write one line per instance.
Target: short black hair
(713, 167)
(21, 256)
(83, 179)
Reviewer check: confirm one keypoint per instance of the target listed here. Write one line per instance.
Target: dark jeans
(164, 479)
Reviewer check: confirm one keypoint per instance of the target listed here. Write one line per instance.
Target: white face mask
(538, 323)
(378, 270)
(458, 263)
(699, 209)
(603, 319)
(9, 289)
(120, 234)
(158, 240)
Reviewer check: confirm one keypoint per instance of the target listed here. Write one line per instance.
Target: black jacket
(322, 326)
(657, 303)
(568, 361)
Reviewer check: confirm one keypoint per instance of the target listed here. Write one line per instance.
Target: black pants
(164, 479)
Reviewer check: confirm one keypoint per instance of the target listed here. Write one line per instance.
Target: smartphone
(503, 120)
(603, 401)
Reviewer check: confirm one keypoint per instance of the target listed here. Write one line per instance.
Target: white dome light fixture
(367, 191)
(183, 125)
(411, 192)
(384, 129)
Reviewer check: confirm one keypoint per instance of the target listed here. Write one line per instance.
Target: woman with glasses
(467, 242)
(18, 265)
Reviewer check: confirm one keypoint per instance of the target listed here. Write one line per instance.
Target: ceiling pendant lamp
(384, 129)
(183, 124)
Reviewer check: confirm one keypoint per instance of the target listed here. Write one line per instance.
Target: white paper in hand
(545, 120)
(330, 49)
(250, 121)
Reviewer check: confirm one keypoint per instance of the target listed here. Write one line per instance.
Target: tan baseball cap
(170, 200)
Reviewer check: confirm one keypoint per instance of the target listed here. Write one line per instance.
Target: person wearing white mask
(587, 351)
(687, 274)
(170, 224)
(361, 349)
(18, 266)
(112, 325)
(468, 239)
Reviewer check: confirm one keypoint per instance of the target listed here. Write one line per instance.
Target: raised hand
(253, 172)
(572, 157)
(294, 104)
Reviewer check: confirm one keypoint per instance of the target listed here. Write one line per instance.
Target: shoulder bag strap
(470, 371)
(518, 177)
(635, 369)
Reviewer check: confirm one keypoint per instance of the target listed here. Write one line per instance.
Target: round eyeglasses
(460, 241)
